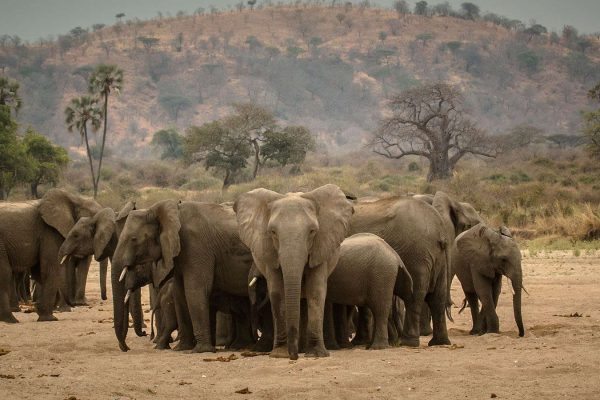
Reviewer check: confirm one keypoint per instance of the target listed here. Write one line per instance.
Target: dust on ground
(559, 357)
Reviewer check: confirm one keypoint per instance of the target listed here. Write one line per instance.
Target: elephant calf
(483, 256)
(369, 273)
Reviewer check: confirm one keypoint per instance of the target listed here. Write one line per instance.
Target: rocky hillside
(328, 68)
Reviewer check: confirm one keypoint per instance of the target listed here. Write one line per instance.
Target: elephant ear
(166, 213)
(252, 212)
(104, 222)
(474, 246)
(505, 231)
(334, 212)
(127, 208)
(448, 209)
(57, 210)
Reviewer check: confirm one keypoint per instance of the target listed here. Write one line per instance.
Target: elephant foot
(439, 342)
(8, 318)
(395, 342)
(317, 351)
(140, 333)
(476, 332)
(123, 346)
(379, 345)
(47, 318)
(332, 345)
(345, 345)
(163, 345)
(203, 348)
(81, 301)
(241, 344)
(183, 345)
(280, 352)
(426, 331)
(410, 342)
(64, 308)
(15, 309)
(263, 346)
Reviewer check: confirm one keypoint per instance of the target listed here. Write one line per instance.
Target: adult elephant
(416, 231)
(198, 245)
(295, 240)
(98, 236)
(483, 256)
(30, 236)
(457, 217)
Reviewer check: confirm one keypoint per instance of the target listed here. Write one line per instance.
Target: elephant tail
(447, 248)
(152, 324)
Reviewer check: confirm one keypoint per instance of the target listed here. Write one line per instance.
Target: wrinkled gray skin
(163, 309)
(261, 317)
(198, 245)
(458, 217)
(416, 231)
(98, 236)
(483, 256)
(369, 273)
(295, 241)
(30, 236)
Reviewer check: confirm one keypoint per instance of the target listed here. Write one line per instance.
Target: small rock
(493, 396)
(243, 391)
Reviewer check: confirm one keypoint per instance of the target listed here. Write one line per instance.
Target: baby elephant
(483, 256)
(369, 273)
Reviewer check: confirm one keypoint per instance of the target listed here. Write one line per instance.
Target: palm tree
(9, 93)
(80, 111)
(104, 79)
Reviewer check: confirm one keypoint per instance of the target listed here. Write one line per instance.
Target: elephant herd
(284, 273)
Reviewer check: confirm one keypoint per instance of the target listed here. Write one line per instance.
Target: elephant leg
(5, 288)
(265, 341)
(425, 321)
(135, 309)
(184, 323)
(410, 333)
(81, 273)
(316, 290)
(14, 296)
(103, 273)
(496, 289)
(169, 324)
(303, 339)
(243, 332)
(198, 288)
(223, 336)
(484, 288)
(381, 313)
(474, 306)
(363, 336)
(329, 328)
(340, 319)
(275, 287)
(52, 276)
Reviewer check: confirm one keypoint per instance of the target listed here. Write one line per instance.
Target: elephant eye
(134, 239)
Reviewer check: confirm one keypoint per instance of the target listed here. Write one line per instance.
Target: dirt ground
(78, 357)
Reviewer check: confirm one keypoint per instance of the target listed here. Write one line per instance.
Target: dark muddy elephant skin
(30, 236)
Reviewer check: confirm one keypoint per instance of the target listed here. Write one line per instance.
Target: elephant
(369, 273)
(30, 236)
(261, 317)
(97, 235)
(197, 244)
(458, 217)
(416, 231)
(163, 308)
(295, 240)
(483, 256)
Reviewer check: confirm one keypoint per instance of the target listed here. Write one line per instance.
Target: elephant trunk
(292, 268)
(103, 273)
(517, 285)
(120, 309)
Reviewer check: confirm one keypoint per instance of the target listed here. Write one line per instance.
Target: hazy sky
(32, 19)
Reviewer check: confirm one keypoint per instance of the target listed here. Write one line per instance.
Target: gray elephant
(295, 240)
(457, 217)
(369, 273)
(30, 236)
(416, 231)
(198, 245)
(482, 258)
(98, 235)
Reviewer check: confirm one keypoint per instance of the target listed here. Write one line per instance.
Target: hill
(328, 68)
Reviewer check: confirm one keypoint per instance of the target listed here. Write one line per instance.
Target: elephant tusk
(525, 290)
(127, 296)
(62, 261)
(123, 273)
(252, 282)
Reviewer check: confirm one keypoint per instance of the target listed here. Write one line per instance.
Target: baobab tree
(430, 121)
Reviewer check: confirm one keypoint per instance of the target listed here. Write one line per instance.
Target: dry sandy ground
(78, 357)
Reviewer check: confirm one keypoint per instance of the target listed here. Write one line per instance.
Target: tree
(119, 16)
(148, 42)
(174, 103)
(444, 9)
(421, 8)
(529, 61)
(251, 3)
(171, 143)
(219, 147)
(9, 94)
(78, 114)
(48, 160)
(104, 80)
(470, 11)
(562, 140)
(430, 121)
(288, 145)
(15, 165)
(519, 137)
(591, 129)
(535, 30)
(401, 7)
(382, 36)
